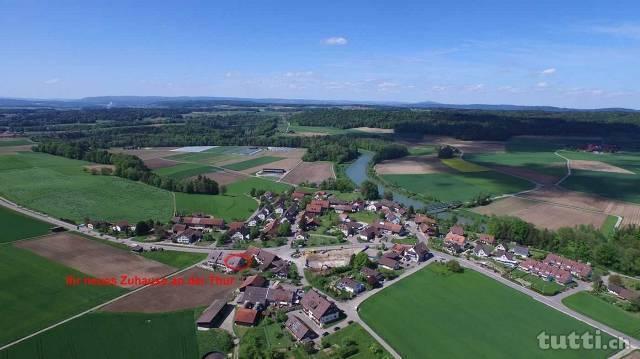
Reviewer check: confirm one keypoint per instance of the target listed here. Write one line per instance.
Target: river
(357, 172)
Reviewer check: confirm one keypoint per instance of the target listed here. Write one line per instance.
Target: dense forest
(478, 125)
(620, 252)
(128, 166)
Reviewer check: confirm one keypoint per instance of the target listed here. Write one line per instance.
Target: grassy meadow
(240, 166)
(435, 309)
(184, 170)
(59, 187)
(604, 312)
(17, 226)
(39, 296)
(460, 187)
(115, 335)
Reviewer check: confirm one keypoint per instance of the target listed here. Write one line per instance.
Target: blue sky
(582, 54)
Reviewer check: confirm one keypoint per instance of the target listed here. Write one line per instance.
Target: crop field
(465, 305)
(312, 172)
(543, 214)
(38, 288)
(604, 312)
(11, 142)
(411, 165)
(166, 298)
(254, 162)
(59, 187)
(175, 259)
(463, 166)
(623, 187)
(94, 258)
(228, 206)
(17, 226)
(114, 335)
(461, 186)
(316, 130)
(184, 170)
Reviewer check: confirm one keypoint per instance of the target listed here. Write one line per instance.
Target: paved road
(349, 307)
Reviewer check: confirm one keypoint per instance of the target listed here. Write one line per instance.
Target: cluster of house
(553, 267)
(265, 260)
(598, 148)
(557, 268)
(256, 296)
(190, 229)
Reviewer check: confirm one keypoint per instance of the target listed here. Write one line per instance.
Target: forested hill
(478, 125)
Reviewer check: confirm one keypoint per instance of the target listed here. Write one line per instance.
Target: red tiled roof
(455, 238)
(246, 316)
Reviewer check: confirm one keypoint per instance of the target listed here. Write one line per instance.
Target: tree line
(128, 166)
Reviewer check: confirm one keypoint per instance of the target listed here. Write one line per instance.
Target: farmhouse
(263, 258)
(578, 269)
(280, 296)
(505, 258)
(246, 317)
(369, 233)
(623, 293)
(350, 228)
(388, 263)
(482, 251)
(502, 247)
(373, 276)
(521, 251)
(323, 203)
(350, 285)
(200, 222)
(254, 297)
(122, 226)
(216, 259)
(298, 328)
(188, 236)
(237, 230)
(319, 308)
(389, 228)
(298, 195)
(488, 239)
(252, 281)
(209, 316)
(343, 208)
(314, 209)
(454, 238)
(418, 253)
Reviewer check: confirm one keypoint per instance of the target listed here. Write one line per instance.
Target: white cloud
(52, 81)
(387, 85)
(622, 30)
(298, 73)
(549, 71)
(228, 74)
(335, 41)
(542, 84)
(474, 88)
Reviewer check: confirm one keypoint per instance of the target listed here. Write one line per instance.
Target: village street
(350, 307)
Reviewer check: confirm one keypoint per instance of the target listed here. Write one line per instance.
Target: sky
(570, 53)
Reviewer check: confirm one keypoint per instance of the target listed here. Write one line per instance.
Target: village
(308, 259)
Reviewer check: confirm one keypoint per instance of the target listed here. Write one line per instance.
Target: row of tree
(128, 166)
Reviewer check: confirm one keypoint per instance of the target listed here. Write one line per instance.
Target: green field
(236, 204)
(229, 206)
(620, 186)
(17, 226)
(59, 187)
(364, 216)
(240, 166)
(364, 342)
(604, 312)
(460, 187)
(15, 142)
(318, 129)
(609, 226)
(444, 315)
(421, 150)
(34, 294)
(175, 259)
(463, 166)
(184, 170)
(114, 335)
(245, 186)
(538, 284)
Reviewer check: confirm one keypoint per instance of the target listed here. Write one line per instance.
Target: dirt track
(94, 258)
(168, 298)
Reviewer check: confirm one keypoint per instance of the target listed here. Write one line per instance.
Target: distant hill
(208, 101)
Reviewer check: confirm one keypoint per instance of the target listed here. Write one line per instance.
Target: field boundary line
(90, 310)
(568, 162)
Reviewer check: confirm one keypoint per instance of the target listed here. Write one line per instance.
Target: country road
(350, 307)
